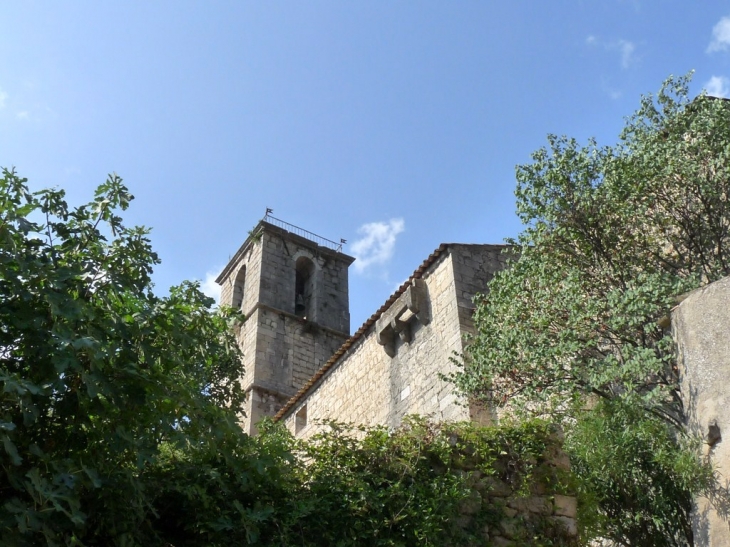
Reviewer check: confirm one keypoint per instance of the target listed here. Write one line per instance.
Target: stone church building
(302, 365)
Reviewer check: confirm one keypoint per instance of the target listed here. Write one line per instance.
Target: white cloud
(376, 246)
(615, 94)
(210, 287)
(3, 98)
(626, 49)
(22, 115)
(720, 36)
(718, 86)
(627, 53)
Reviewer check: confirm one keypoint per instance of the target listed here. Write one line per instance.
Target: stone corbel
(386, 338)
(417, 301)
(392, 322)
(402, 329)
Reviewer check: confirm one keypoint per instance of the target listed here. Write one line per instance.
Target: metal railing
(319, 240)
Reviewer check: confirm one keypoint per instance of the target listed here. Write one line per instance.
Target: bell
(299, 306)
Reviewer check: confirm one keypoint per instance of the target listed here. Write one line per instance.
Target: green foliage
(118, 414)
(230, 489)
(254, 235)
(345, 487)
(405, 487)
(636, 484)
(97, 374)
(386, 489)
(613, 235)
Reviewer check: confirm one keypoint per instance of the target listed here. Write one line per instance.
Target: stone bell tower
(292, 286)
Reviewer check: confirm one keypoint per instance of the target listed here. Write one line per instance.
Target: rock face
(701, 328)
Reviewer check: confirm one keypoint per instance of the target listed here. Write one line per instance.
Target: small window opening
(304, 287)
(300, 419)
(238, 287)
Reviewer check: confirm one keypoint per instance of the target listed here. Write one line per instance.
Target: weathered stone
(538, 505)
(700, 326)
(566, 506)
(539, 488)
(472, 504)
(509, 527)
(496, 487)
(281, 350)
(561, 461)
(567, 524)
(509, 512)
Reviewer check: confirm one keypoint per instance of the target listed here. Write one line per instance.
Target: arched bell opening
(239, 286)
(304, 287)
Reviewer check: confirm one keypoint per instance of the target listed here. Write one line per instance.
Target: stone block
(566, 506)
(509, 512)
(471, 505)
(497, 488)
(700, 328)
(510, 527)
(536, 504)
(561, 460)
(567, 524)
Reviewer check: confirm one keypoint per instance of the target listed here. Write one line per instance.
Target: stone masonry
(540, 514)
(294, 293)
(395, 364)
(701, 328)
(303, 368)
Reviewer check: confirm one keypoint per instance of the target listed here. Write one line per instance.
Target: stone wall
(251, 261)
(395, 367)
(288, 350)
(505, 513)
(474, 267)
(701, 327)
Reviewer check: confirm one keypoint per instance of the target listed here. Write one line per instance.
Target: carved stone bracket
(397, 321)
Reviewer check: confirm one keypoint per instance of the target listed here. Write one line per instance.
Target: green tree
(99, 377)
(118, 414)
(576, 327)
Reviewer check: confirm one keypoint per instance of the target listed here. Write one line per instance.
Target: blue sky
(395, 125)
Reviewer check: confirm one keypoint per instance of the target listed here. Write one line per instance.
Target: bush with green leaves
(348, 486)
(407, 487)
(613, 235)
(636, 482)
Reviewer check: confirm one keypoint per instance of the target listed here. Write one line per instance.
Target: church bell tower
(292, 286)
